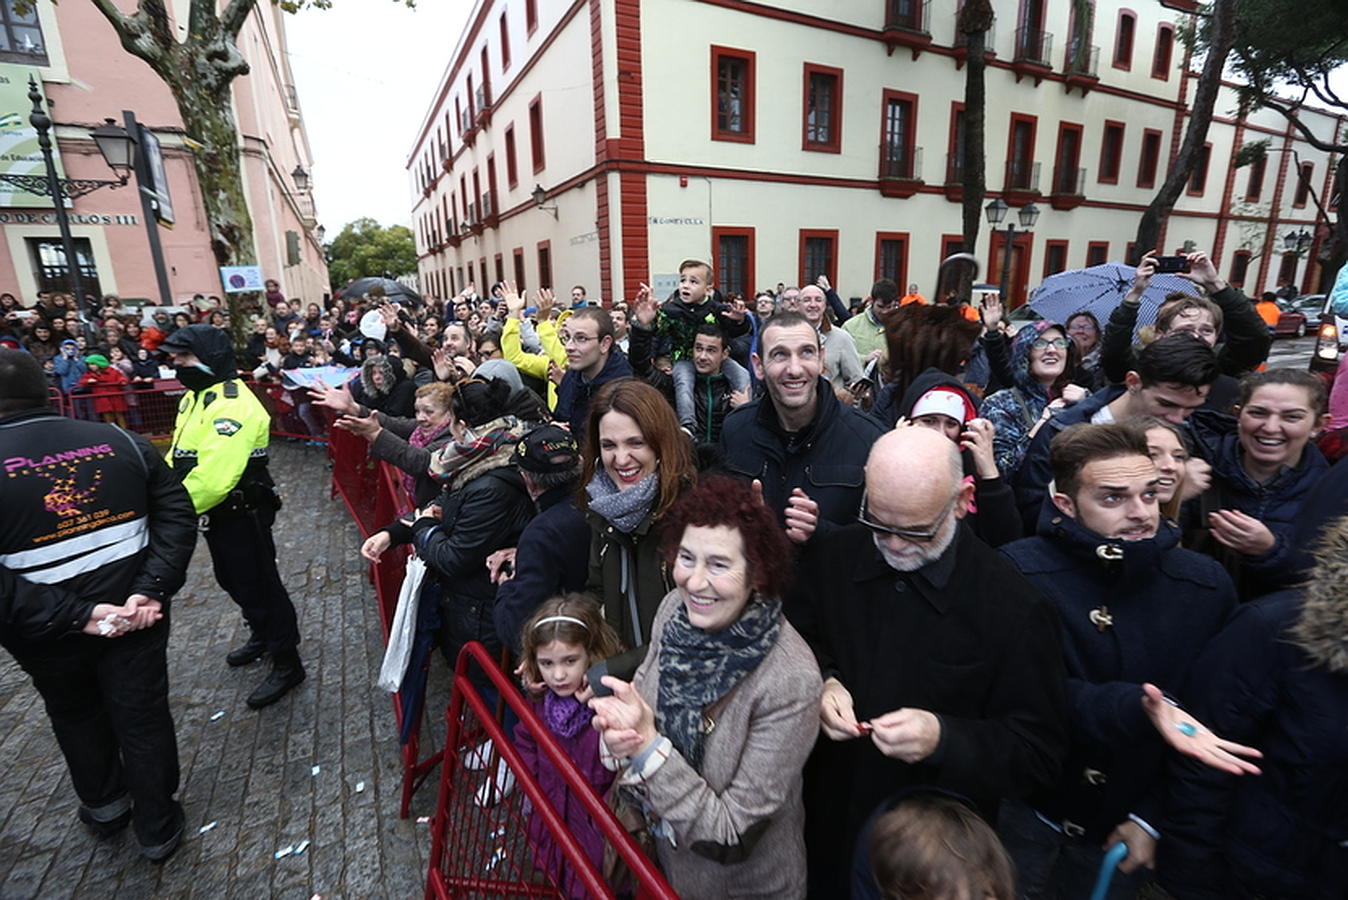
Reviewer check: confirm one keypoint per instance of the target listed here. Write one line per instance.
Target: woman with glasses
(1043, 360)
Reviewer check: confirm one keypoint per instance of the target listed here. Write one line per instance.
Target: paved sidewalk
(247, 772)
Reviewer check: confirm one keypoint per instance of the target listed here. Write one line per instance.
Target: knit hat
(97, 359)
(547, 450)
(946, 401)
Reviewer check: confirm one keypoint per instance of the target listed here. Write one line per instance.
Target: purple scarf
(565, 716)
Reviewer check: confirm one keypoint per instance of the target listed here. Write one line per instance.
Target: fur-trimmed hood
(1321, 628)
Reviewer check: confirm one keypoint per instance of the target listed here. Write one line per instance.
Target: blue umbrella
(1099, 289)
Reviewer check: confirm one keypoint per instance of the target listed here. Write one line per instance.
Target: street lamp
(301, 179)
(996, 211)
(539, 195)
(1297, 242)
(116, 147)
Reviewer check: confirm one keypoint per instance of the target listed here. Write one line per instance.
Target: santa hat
(947, 401)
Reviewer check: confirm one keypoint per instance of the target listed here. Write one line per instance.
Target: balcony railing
(1033, 46)
(900, 162)
(1069, 181)
(483, 97)
(954, 168)
(488, 206)
(1022, 176)
(1082, 61)
(909, 15)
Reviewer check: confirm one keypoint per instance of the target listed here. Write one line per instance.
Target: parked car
(1329, 339)
(1292, 321)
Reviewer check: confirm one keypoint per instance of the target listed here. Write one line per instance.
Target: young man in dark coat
(1135, 609)
(941, 663)
(591, 362)
(805, 447)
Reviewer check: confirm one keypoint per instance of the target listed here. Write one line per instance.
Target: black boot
(251, 651)
(286, 672)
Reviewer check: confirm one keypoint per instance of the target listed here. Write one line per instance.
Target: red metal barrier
(481, 850)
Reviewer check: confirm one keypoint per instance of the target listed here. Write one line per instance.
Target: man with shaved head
(941, 663)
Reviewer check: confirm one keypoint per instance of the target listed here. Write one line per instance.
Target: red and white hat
(947, 401)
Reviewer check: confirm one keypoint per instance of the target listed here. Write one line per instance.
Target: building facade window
(1150, 159)
(544, 264)
(818, 255)
(1287, 269)
(1123, 39)
(1055, 257)
(1020, 174)
(499, 265)
(51, 270)
(530, 16)
(1240, 265)
(21, 38)
(950, 245)
(1198, 177)
(1067, 163)
(1111, 153)
(1165, 49)
(954, 158)
(518, 254)
(505, 41)
(898, 145)
(1097, 253)
(512, 168)
(733, 260)
(1303, 189)
(1254, 186)
(891, 258)
(732, 95)
(823, 108)
(536, 133)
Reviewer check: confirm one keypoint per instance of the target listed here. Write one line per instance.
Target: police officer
(220, 452)
(94, 540)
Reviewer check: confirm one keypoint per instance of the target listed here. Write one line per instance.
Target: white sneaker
(497, 788)
(476, 759)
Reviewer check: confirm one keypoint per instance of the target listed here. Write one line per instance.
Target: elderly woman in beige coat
(711, 735)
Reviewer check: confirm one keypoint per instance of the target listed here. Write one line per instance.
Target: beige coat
(746, 800)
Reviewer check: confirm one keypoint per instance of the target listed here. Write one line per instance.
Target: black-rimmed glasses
(908, 534)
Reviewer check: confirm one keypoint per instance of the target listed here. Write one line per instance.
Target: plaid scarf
(457, 458)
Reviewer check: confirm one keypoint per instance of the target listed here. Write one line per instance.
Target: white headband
(571, 619)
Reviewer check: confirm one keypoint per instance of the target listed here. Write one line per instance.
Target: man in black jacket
(941, 663)
(805, 448)
(95, 540)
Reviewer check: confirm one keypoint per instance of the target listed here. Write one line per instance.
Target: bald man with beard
(941, 663)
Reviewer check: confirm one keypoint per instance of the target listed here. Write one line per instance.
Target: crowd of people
(882, 598)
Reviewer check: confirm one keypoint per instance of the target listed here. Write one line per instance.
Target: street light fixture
(996, 211)
(118, 147)
(539, 195)
(301, 179)
(1297, 241)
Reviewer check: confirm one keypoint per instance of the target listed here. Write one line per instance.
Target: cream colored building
(787, 140)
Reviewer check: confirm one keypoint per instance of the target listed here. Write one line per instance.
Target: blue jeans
(685, 378)
(1052, 866)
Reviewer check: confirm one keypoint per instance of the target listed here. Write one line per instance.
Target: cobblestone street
(266, 780)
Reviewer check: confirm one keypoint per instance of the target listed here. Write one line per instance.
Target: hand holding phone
(1172, 264)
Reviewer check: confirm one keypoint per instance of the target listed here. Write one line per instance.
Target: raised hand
(1192, 738)
(367, 427)
(645, 307)
(338, 398)
(977, 439)
(992, 311)
(1203, 273)
(513, 301)
(389, 313)
(546, 301)
(443, 364)
(1142, 278)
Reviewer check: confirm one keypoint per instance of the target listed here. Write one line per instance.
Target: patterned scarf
(623, 509)
(565, 716)
(697, 668)
(420, 438)
(457, 457)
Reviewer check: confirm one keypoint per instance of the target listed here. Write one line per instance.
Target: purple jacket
(583, 750)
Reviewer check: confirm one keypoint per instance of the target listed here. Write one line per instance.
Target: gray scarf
(623, 509)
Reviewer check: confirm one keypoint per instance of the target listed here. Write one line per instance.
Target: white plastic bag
(404, 628)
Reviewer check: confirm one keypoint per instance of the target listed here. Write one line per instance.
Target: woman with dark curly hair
(712, 734)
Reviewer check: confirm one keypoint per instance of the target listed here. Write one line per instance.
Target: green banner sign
(19, 153)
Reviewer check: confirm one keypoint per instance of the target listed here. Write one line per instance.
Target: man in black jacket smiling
(95, 540)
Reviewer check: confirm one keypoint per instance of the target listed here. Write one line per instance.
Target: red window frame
(544, 249)
(902, 238)
(1254, 186)
(952, 161)
(750, 260)
(1199, 174)
(1061, 163)
(830, 234)
(910, 140)
(505, 43)
(512, 170)
(491, 185)
(1094, 248)
(499, 265)
(1033, 122)
(1240, 267)
(536, 147)
(1111, 152)
(530, 16)
(747, 115)
(1124, 39)
(1130, 253)
(1287, 269)
(1050, 248)
(518, 260)
(1305, 172)
(1149, 161)
(1164, 54)
(834, 142)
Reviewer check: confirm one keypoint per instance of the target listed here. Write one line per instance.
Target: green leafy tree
(367, 249)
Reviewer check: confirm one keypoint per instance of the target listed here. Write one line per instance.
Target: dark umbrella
(392, 289)
(1099, 289)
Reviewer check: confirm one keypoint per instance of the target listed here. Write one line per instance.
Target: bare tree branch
(1289, 112)
(235, 14)
(121, 23)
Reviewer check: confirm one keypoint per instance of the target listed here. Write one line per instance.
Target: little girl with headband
(561, 640)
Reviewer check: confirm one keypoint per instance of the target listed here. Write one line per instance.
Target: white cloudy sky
(366, 70)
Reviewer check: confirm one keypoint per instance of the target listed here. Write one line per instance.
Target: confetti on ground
(423, 820)
(284, 851)
(207, 827)
(219, 714)
(360, 787)
(301, 847)
(315, 770)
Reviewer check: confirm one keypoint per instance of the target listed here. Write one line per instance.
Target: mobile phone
(507, 568)
(1172, 264)
(595, 676)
